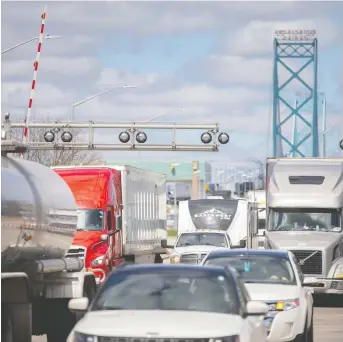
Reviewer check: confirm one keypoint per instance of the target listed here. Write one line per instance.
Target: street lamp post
(76, 104)
(28, 41)
(165, 113)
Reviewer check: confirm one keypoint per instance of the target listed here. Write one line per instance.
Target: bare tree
(57, 157)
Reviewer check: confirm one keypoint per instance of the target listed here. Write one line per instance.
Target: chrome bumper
(325, 285)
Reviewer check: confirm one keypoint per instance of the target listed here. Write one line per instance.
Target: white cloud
(228, 87)
(53, 65)
(257, 36)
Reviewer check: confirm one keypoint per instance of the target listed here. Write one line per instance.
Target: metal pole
(123, 125)
(176, 216)
(17, 45)
(324, 129)
(195, 184)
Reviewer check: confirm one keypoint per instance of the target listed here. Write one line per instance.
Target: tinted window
(90, 219)
(202, 239)
(201, 291)
(259, 268)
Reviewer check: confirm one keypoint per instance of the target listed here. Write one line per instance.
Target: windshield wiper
(112, 308)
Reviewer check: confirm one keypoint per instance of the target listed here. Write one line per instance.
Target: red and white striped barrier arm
(35, 71)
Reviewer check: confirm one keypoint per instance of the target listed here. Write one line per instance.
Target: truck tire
(61, 321)
(158, 259)
(17, 323)
(6, 324)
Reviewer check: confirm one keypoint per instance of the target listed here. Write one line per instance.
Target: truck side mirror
(118, 223)
(164, 244)
(103, 237)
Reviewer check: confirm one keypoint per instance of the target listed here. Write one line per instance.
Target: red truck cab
(97, 191)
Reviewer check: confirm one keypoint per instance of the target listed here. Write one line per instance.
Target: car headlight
(233, 338)
(175, 259)
(98, 261)
(78, 337)
(284, 305)
(339, 272)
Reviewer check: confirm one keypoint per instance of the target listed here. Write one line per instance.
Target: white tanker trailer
(38, 220)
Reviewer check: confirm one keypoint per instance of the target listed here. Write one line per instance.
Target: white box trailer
(236, 216)
(144, 212)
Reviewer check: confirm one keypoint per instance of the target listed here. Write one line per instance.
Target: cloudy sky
(214, 59)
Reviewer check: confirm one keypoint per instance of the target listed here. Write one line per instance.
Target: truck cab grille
(311, 266)
(195, 258)
(76, 252)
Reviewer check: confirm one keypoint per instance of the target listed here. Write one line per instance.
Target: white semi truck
(38, 222)
(304, 215)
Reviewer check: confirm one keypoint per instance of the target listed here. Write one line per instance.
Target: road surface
(328, 321)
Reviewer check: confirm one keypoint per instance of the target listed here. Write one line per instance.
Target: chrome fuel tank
(38, 212)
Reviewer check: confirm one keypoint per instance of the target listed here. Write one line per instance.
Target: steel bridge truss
(284, 51)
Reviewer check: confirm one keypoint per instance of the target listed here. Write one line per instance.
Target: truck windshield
(90, 219)
(202, 239)
(302, 219)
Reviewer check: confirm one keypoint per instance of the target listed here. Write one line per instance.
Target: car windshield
(201, 239)
(185, 291)
(90, 219)
(258, 268)
(320, 220)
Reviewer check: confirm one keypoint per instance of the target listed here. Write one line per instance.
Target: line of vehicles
(238, 295)
(64, 230)
(300, 211)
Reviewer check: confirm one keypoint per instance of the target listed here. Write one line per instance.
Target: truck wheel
(158, 259)
(6, 324)
(61, 321)
(16, 322)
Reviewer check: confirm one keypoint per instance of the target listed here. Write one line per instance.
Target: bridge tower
(295, 68)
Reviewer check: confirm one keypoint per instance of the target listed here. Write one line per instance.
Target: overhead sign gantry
(59, 136)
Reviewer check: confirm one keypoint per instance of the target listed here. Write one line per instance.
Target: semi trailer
(38, 222)
(121, 215)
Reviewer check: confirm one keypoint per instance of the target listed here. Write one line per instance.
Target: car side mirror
(78, 304)
(164, 244)
(305, 283)
(242, 243)
(256, 308)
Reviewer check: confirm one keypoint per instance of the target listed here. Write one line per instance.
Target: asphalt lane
(328, 319)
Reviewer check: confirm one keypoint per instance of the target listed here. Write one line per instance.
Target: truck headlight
(175, 259)
(284, 305)
(339, 272)
(78, 337)
(98, 261)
